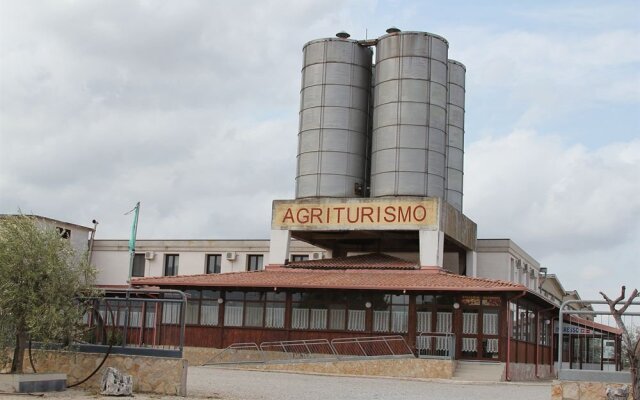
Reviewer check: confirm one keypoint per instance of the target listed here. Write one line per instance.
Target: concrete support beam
(472, 263)
(279, 246)
(431, 248)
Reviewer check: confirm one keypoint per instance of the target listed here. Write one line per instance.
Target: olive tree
(40, 278)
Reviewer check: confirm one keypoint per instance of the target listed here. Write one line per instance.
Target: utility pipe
(507, 375)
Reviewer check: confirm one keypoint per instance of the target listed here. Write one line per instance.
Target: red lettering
(389, 214)
(357, 216)
(339, 209)
(303, 219)
(404, 217)
(378, 214)
(416, 218)
(328, 215)
(288, 215)
(366, 212)
(316, 213)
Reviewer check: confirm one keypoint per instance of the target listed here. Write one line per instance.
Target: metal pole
(132, 240)
(93, 234)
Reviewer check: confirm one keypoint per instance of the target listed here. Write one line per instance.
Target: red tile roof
(365, 261)
(413, 280)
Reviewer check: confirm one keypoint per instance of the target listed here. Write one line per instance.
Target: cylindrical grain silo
(409, 116)
(334, 112)
(455, 133)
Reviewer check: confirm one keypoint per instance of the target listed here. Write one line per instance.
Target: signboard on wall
(568, 329)
(352, 214)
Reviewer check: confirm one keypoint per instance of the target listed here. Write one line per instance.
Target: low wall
(150, 374)
(520, 372)
(573, 390)
(400, 367)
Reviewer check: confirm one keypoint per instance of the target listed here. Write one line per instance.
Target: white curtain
(318, 318)
(469, 345)
(255, 314)
(356, 320)
(300, 318)
(209, 314)
(443, 343)
(470, 323)
(135, 318)
(171, 313)
(274, 317)
(443, 322)
(336, 319)
(232, 315)
(381, 321)
(423, 342)
(399, 321)
(191, 317)
(490, 323)
(424, 322)
(492, 346)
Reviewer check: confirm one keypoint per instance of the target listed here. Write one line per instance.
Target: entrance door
(479, 338)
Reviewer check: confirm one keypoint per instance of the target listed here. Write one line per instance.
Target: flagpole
(132, 240)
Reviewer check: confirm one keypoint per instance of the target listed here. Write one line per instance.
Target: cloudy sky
(191, 107)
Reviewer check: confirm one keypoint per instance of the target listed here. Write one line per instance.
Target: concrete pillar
(472, 263)
(279, 246)
(431, 248)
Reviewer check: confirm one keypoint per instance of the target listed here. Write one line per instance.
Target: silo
(410, 115)
(455, 133)
(334, 114)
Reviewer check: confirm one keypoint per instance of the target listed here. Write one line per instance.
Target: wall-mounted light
(220, 300)
(367, 304)
(456, 305)
(404, 291)
(547, 322)
(275, 289)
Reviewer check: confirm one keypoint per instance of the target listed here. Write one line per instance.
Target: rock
(617, 393)
(115, 383)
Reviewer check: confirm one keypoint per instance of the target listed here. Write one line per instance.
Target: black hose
(104, 359)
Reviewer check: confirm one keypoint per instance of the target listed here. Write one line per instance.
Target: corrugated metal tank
(410, 115)
(455, 133)
(334, 114)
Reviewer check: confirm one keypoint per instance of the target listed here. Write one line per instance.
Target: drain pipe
(538, 338)
(507, 374)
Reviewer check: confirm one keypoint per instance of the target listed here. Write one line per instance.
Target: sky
(191, 108)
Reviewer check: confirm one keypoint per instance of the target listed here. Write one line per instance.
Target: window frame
(250, 258)
(175, 264)
(133, 267)
(217, 268)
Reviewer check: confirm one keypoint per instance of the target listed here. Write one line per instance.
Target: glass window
(254, 262)
(391, 314)
(233, 308)
(193, 307)
(209, 308)
(214, 262)
(299, 257)
(171, 264)
(275, 309)
(138, 265)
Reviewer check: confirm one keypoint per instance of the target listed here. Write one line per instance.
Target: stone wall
(401, 367)
(572, 390)
(527, 372)
(398, 367)
(150, 374)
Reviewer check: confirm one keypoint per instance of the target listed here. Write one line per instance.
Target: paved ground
(228, 384)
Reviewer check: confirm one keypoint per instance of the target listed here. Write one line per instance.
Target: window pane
(138, 265)
(214, 262)
(381, 321)
(254, 314)
(209, 312)
(300, 318)
(254, 262)
(233, 312)
(171, 313)
(399, 318)
(318, 318)
(170, 264)
(274, 315)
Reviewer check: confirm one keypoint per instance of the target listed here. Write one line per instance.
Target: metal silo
(334, 112)
(455, 133)
(410, 115)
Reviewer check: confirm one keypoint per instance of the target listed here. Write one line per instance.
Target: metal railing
(314, 350)
(370, 347)
(436, 345)
(136, 321)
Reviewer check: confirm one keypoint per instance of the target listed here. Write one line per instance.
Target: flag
(134, 228)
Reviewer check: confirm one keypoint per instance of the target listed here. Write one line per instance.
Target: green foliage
(40, 276)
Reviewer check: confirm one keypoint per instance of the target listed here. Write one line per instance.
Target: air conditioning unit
(231, 255)
(317, 256)
(149, 255)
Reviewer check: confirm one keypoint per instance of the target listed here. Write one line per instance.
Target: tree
(40, 278)
(631, 341)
